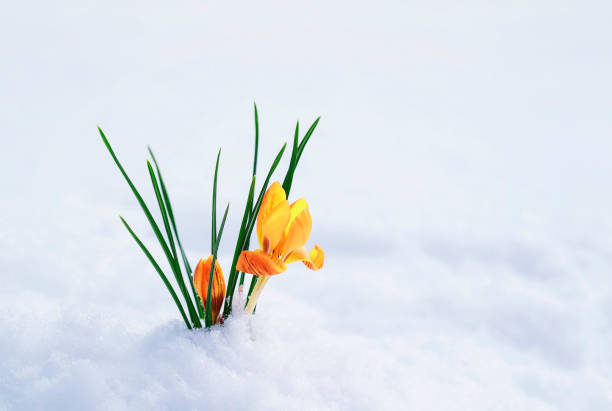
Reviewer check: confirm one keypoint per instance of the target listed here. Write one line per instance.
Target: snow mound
(77, 361)
(57, 358)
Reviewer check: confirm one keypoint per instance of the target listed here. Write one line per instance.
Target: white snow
(458, 182)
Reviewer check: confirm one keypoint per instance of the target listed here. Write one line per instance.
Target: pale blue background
(459, 179)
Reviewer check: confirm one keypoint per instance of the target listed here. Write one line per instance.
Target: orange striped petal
(259, 263)
(298, 229)
(273, 197)
(200, 282)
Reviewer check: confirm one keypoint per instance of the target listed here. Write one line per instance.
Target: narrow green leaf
(221, 228)
(143, 205)
(256, 140)
(208, 316)
(244, 223)
(296, 154)
(306, 138)
(162, 210)
(239, 242)
(176, 235)
(254, 173)
(246, 233)
(173, 259)
(293, 163)
(214, 206)
(251, 287)
(246, 247)
(208, 320)
(159, 272)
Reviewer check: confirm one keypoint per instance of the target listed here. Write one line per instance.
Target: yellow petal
(274, 224)
(274, 195)
(312, 260)
(296, 209)
(298, 229)
(299, 254)
(200, 282)
(315, 259)
(259, 263)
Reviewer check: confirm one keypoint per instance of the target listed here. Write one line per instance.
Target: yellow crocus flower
(282, 231)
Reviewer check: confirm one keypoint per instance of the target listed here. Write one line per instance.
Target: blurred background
(458, 179)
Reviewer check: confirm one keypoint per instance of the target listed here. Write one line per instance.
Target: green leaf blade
(214, 206)
(307, 138)
(208, 321)
(142, 203)
(241, 233)
(288, 181)
(188, 269)
(173, 259)
(256, 139)
(159, 272)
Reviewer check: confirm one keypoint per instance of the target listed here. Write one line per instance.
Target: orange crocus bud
(200, 282)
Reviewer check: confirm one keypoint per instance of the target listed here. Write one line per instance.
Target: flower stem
(256, 293)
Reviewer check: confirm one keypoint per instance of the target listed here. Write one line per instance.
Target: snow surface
(458, 182)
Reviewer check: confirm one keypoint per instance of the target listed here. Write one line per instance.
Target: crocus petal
(297, 207)
(274, 195)
(298, 229)
(299, 254)
(259, 263)
(312, 260)
(273, 225)
(316, 258)
(200, 282)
